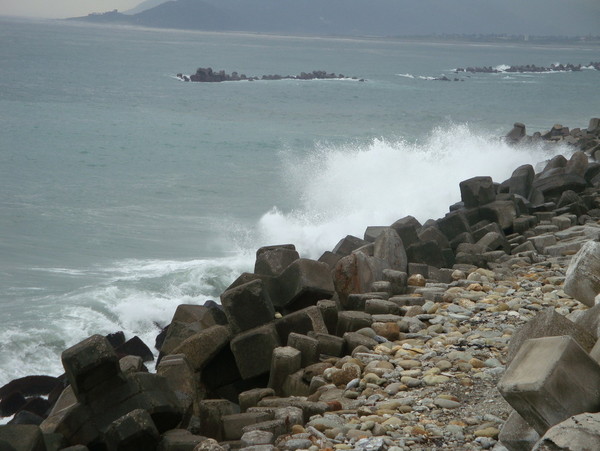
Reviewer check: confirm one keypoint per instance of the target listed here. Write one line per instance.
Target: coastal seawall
(393, 340)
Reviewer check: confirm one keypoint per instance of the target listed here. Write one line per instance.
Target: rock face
(395, 340)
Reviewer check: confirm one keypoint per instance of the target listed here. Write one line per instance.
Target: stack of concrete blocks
(554, 371)
(103, 407)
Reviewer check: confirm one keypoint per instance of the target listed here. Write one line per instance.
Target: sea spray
(344, 189)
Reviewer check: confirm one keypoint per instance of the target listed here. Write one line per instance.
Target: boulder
(247, 306)
(434, 234)
(133, 431)
(549, 380)
(477, 191)
(272, 260)
(504, 212)
(582, 279)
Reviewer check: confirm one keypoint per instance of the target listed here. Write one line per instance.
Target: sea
(126, 191)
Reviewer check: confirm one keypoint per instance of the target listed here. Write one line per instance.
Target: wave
(344, 189)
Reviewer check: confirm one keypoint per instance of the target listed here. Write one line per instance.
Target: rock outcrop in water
(531, 68)
(207, 75)
(393, 341)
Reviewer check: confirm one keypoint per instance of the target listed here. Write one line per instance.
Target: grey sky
(62, 8)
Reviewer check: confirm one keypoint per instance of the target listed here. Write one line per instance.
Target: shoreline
(391, 341)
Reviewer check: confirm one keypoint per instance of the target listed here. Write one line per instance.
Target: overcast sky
(62, 8)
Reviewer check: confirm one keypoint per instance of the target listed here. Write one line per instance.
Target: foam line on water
(344, 189)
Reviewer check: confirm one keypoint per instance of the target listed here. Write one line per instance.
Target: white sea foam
(406, 75)
(502, 67)
(344, 189)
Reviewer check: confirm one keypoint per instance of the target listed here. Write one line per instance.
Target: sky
(62, 8)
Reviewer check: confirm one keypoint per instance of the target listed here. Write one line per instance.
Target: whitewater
(126, 192)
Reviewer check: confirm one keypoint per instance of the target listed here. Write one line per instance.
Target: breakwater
(393, 340)
(207, 75)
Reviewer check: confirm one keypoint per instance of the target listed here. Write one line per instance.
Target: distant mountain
(370, 17)
(148, 4)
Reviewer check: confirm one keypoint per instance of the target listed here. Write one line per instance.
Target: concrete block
(389, 247)
(549, 380)
(21, 437)
(302, 284)
(548, 324)
(351, 321)
(300, 322)
(253, 349)
(308, 347)
(477, 191)
(582, 280)
(329, 344)
(203, 346)
(211, 416)
(91, 365)
(517, 435)
(272, 260)
(251, 398)
(247, 306)
(580, 432)
(234, 423)
(285, 361)
(133, 431)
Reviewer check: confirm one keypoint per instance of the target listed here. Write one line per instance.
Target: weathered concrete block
(453, 224)
(356, 273)
(433, 234)
(211, 416)
(21, 437)
(91, 365)
(516, 134)
(300, 322)
(397, 280)
(406, 228)
(294, 385)
(276, 427)
(389, 247)
(517, 435)
(354, 340)
(133, 431)
(549, 324)
(580, 432)
(348, 244)
(308, 347)
(285, 361)
(247, 306)
(521, 180)
(179, 440)
(351, 321)
(492, 241)
(272, 260)
(477, 191)
(200, 348)
(179, 376)
(253, 350)
(381, 306)
(302, 284)
(549, 380)
(582, 280)
(372, 232)
(234, 423)
(329, 344)
(329, 312)
(251, 398)
(504, 212)
(426, 252)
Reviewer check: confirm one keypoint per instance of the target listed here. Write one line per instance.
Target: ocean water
(126, 192)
